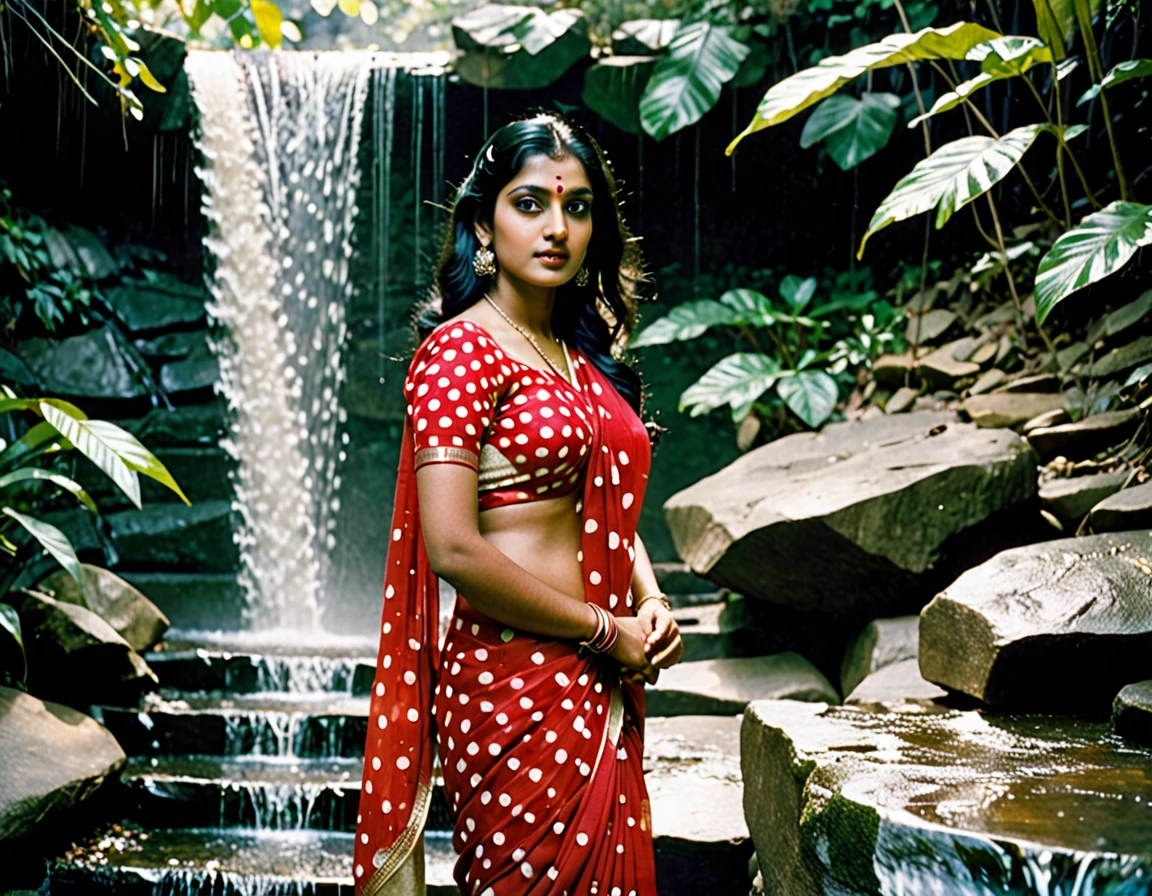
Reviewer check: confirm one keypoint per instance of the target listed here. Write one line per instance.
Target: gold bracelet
(660, 596)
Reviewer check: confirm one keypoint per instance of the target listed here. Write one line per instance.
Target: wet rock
(1071, 499)
(157, 305)
(1059, 625)
(1041, 382)
(984, 353)
(1132, 713)
(716, 631)
(194, 601)
(90, 365)
(135, 618)
(1057, 417)
(890, 371)
(881, 643)
(1007, 409)
(173, 345)
(898, 681)
(1086, 437)
(194, 424)
(941, 370)
(200, 370)
(724, 687)
(18, 374)
(53, 758)
(174, 535)
(1124, 358)
(901, 400)
(988, 381)
(929, 326)
(920, 800)
(868, 505)
(1129, 509)
(74, 656)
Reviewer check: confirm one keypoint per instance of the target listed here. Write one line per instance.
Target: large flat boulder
(1071, 499)
(136, 619)
(1010, 409)
(1126, 510)
(917, 799)
(853, 516)
(881, 643)
(725, 686)
(1084, 438)
(1058, 625)
(898, 681)
(53, 757)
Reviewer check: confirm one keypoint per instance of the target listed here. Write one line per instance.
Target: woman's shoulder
(466, 344)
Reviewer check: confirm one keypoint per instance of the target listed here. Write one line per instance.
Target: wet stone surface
(1132, 713)
(921, 799)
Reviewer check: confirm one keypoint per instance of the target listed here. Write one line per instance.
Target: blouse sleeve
(452, 387)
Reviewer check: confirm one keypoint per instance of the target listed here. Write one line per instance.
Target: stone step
(306, 726)
(238, 663)
(211, 860)
(211, 601)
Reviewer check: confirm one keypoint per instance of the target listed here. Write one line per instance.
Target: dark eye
(585, 206)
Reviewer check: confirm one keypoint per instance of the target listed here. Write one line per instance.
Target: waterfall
(279, 133)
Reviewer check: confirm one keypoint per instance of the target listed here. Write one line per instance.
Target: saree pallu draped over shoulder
(540, 743)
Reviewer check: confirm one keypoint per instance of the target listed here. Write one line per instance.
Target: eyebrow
(541, 191)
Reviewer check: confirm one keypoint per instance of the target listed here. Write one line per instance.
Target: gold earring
(484, 261)
(582, 276)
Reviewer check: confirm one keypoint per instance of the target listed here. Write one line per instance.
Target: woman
(514, 396)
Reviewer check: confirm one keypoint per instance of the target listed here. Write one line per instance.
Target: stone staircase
(244, 778)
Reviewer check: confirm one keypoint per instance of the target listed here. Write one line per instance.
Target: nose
(557, 223)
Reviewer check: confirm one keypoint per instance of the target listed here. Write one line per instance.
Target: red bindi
(559, 188)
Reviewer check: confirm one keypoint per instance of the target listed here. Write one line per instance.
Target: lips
(551, 254)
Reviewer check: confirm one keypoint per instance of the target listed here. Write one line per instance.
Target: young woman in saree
(522, 474)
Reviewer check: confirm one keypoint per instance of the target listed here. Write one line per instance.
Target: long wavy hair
(597, 318)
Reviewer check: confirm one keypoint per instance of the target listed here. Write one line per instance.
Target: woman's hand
(629, 650)
(662, 644)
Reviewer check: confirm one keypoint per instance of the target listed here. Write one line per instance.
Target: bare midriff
(543, 537)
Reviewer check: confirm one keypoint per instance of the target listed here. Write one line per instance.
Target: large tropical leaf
(749, 307)
(53, 540)
(518, 47)
(686, 83)
(1125, 71)
(953, 176)
(1100, 245)
(1056, 23)
(643, 37)
(114, 450)
(43, 438)
(796, 93)
(613, 87)
(12, 658)
(852, 129)
(797, 292)
(737, 380)
(26, 474)
(811, 394)
(684, 322)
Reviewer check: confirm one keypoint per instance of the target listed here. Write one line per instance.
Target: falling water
(278, 134)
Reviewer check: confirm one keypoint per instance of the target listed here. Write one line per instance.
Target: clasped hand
(647, 643)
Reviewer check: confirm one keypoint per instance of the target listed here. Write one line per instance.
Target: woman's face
(547, 206)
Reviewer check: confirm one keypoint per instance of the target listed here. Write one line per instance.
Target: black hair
(597, 318)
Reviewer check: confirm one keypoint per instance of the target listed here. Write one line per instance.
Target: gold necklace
(529, 337)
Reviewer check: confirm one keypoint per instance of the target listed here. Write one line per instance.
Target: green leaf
(12, 657)
(796, 93)
(811, 395)
(643, 37)
(853, 129)
(736, 380)
(518, 47)
(749, 307)
(268, 19)
(686, 321)
(953, 176)
(613, 87)
(40, 439)
(53, 540)
(1125, 71)
(1100, 245)
(1138, 375)
(35, 473)
(796, 292)
(1056, 23)
(687, 82)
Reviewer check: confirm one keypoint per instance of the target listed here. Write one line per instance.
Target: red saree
(540, 746)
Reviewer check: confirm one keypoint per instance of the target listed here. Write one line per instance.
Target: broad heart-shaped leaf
(852, 129)
(811, 394)
(736, 380)
(749, 307)
(684, 322)
(953, 176)
(613, 87)
(796, 93)
(687, 81)
(12, 658)
(53, 540)
(1100, 245)
(518, 47)
(1125, 71)
(796, 292)
(26, 474)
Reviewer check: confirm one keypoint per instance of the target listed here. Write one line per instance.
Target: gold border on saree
(395, 855)
(441, 453)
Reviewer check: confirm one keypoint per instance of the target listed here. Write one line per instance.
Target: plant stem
(916, 83)
(1059, 142)
(1008, 270)
(1092, 51)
